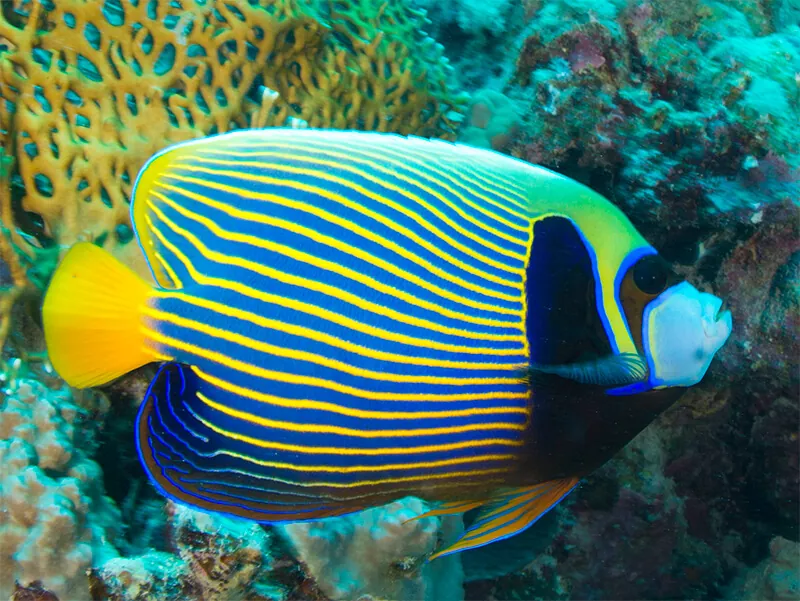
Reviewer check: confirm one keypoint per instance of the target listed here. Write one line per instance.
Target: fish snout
(716, 319)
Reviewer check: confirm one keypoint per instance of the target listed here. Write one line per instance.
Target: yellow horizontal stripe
(320, 312)
(367, 452)
(356, 432)
(538, 491)
(255, 319)
(277, 401)
(355, 469)
(467, 474)
(391, 493)
(331, 218)
(532, 508)
(449, 509)
(409, 155)
(288, 353)
(288, 182)
(383, 199)
(353, 275)
(348, 157)
(508, 184)
(268, 374)
(332, 242)
(331, 291)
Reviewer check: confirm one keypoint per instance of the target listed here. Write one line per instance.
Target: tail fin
(92, 317)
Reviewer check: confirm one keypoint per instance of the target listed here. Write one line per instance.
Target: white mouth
(720, 324)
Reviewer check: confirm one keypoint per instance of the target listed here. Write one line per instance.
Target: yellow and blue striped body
(354, 319)
(349, 313)
(347, 318)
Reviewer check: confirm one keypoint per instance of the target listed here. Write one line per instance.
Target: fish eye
(650, 274)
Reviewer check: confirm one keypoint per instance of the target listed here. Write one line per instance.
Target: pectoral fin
(510, 514)
(614, 370)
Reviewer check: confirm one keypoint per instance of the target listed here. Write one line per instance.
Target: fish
(342, 319)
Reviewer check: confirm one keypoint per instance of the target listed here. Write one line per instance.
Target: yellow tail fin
(92, 317)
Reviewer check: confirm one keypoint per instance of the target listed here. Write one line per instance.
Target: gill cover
(682, 330)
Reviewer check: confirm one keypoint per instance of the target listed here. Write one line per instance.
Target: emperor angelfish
(343, 319)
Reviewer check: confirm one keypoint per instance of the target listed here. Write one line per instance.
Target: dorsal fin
(510, 514)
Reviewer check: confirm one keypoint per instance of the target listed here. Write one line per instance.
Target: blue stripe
(290, 342)
(338, 254)
(356, 217)
(210, 458)
(438, 169)
(293, 317)
(291, 267)
(389, 174)
(327, 228)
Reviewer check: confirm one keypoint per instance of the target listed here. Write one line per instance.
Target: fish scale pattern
(91, 89)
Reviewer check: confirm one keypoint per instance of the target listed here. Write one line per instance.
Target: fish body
(347, 318)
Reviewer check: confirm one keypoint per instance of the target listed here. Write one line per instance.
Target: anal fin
(510, 514)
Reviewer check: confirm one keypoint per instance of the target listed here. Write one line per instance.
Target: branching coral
(91, 89)
(12, 275)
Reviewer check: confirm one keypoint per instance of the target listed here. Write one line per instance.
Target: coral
(13, 279)
(470, 15)
(775, 463)
(624, 534)
(683, 113)
(760, 277)
(373, 554)
(214, 558)
(493, 121)
(379, 553)
(680, 110)
(55, 521)
(90, 90)
(776, 578)
(33, 592)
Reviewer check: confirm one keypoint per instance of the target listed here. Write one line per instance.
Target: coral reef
(379, 552)
(213, 558)
(683, 112)
(90, 90)
(55, 520)
(777, 577)
(57, 525)
(493, 121)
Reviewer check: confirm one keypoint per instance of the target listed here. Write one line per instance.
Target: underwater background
(685, 113)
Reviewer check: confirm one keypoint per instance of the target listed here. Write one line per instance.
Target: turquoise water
(682, 113)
